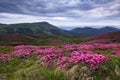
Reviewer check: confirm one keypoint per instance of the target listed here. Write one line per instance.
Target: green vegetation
(30, 67)
(33, 28)
(49, 29)
(46, 40)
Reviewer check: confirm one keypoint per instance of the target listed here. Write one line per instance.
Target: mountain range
(49, 29)
(88, 31)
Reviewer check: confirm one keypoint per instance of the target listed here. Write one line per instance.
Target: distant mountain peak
(44, 22)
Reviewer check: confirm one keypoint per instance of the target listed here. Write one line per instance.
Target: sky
(61, 12)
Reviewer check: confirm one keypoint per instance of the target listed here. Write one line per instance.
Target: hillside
(31, 57)
(36, 39)
(49, 29)
(108, 38)
(33, 28)
(113, 36)
(88, 31)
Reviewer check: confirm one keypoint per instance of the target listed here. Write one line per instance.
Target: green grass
(4, 50)
(47, 41)
(107, 71)
(37, 72)
(28, 69)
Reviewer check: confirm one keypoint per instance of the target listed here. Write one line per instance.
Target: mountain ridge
(49, 29)
(88, 31)
(33, 28)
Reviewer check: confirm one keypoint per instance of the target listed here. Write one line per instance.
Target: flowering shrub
(66, 55)
(4, 56)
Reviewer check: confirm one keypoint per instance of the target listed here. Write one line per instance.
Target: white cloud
(19, 18)
(60, 18)
(58, 21)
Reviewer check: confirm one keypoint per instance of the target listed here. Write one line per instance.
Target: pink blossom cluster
(118, 53)
(48, 59)
(23, 50)
(93, 46)
(91, 59)
(115, 53)
(66, 55)
(5, 56)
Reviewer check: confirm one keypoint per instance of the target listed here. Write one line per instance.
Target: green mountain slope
(49, 29)
(33, 28)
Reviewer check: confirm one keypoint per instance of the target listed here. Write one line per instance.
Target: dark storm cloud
(47, 7)
(9, 6)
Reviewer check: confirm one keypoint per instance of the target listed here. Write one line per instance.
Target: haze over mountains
(91, 26)
(49, 29)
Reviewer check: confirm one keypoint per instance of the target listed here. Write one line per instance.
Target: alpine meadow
(59, 39)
